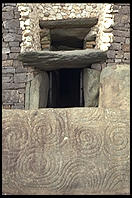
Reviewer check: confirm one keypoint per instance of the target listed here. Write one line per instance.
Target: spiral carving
(115, 177)
(47, 129)
(16, 134)
(87, 141)
(116, 142)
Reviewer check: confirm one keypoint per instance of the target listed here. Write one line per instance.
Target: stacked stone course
(13, 73)
(119, 51)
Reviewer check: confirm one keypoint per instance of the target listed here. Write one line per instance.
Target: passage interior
(65, 88)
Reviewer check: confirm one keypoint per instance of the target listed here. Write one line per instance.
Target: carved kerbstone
(65, 151)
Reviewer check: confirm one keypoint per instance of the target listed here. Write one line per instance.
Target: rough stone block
(13, 55)
(71, 151)
(7, 15)
(91, 79)
(10, 96)
(13, 86)
(13, 23)
(7, 70)
(115, 87)
(37, 91)
(15, 49)
(20, 78)
(126, 47)
(7, 63)
(14, 44)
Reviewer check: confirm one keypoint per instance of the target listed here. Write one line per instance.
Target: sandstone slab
(52, 60)
(65, 151)
(115, 87)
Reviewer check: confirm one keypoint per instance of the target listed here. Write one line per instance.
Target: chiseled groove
(110, 174)
(86, 150)
(11, 129)
(66, 174)
(112, 150)
(50, 172)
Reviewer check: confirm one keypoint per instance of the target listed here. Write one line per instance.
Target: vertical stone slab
(37, 91)
(115, 87)
(91, 80)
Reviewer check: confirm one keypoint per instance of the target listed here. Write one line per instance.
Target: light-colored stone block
(91, 79)
(37, 91)
(115, 87)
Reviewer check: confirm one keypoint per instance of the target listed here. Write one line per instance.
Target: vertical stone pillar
(91, 80)
(37, 91)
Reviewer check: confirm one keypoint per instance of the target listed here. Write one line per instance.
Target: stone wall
(13, 74)
(21, 32)
(119, 51)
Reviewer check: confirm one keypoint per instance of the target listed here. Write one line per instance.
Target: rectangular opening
(65, 88)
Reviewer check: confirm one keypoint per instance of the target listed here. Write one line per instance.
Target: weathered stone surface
(115, 87)
(37, 91)
(69, 23)
(65, 151)
(58, 34)
(91, 78)
(51, 60)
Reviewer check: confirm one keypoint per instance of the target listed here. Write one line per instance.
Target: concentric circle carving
(116, 142)
(87, 141)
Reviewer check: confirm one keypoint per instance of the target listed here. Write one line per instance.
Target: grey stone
(61, 34)
(7, 79)
(7, 15)
(10, 96)
(69, 23)
(12, 37)
(51, 60)
(7, 8)
(20, 78)
(13, 55)
(14, 44)
(4, 56)
(37, 92)
(15, 49)
(115, 87)
(13, 86)
(8, 70)
(83, 151)
(5, 50)
(91, 83)
(111, 54)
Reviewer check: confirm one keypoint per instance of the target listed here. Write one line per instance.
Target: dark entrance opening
(65, 88)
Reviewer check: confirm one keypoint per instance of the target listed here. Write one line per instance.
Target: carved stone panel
(65, 151)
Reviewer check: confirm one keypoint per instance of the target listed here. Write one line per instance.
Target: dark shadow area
(65, 88)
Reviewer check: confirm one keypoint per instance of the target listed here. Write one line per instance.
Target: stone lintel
(53, 60)
(69, 23)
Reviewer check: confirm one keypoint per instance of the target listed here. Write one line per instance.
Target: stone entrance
(68, 83)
